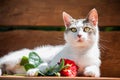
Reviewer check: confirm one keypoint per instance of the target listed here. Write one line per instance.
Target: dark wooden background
(49, 13)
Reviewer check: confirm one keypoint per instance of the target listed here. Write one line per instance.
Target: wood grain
(49, 13)
(110, 49)
(55, 78)
(14, 40)
(109, 41)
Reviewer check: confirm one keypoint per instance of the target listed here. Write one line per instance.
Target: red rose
(70, 70)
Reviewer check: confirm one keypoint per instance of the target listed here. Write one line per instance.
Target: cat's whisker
(104, 40)
(60, 38)
(102, 46)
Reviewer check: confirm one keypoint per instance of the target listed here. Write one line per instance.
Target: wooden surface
(49, 13)
(55, 78)
(109, 41)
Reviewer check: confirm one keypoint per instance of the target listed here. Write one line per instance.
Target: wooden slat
(55, 78)
(49, 13)
(14, 40)
(110, 55)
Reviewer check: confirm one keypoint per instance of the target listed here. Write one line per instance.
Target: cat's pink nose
(79, 36)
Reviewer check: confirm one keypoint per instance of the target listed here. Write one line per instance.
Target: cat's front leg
(92, 71)
(34, 72)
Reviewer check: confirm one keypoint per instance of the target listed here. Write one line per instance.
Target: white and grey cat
(82, 46)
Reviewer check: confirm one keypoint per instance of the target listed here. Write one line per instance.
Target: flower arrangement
(65, 67)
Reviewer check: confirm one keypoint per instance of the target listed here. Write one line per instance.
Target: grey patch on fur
(5, 71)
(3, 68)
(67, 30)
(85, 21)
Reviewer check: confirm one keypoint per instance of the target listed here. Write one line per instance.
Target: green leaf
(61, 65)
(24, 61)
(54, 71)
(58, 74)
(34, 59)
(51, 71)
(41, 73)
(28, 66)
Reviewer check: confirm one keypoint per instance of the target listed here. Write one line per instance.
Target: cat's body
(82, 40)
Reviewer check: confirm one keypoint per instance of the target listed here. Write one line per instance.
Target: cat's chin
(81, 43)
(80, 40)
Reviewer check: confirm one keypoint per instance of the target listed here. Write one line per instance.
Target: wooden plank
(110, 49)
(49, 13)
(109, 41)
(14, 40)
(55, 78)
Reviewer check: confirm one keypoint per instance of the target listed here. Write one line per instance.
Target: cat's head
(81, 32)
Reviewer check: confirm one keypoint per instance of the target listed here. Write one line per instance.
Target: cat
(82, 46)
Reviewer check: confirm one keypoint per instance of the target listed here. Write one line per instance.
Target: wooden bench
(28, 14)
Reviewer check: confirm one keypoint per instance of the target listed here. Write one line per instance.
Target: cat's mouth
(80, 40)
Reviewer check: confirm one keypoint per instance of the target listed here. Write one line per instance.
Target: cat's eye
(87, 29)
(73, 29)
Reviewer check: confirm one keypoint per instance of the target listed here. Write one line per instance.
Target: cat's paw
(0, 72)
(92, 71)
(32, 72)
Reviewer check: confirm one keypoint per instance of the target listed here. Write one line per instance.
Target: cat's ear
(67, 19)
(93, 17)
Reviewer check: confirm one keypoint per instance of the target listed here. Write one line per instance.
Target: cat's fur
(81, 47)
